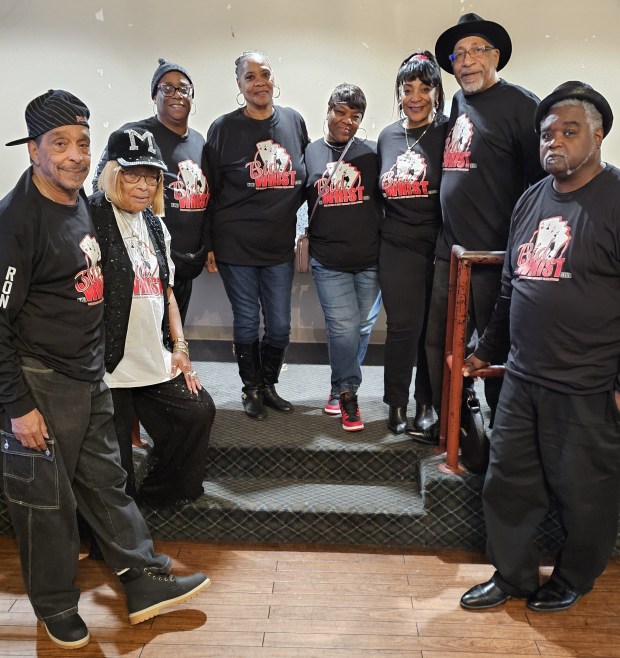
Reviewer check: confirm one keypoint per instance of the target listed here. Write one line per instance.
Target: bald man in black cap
(59, 450)
(557, 429)
(490, 157)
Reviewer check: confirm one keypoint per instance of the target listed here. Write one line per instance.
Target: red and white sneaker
(332, 406)
(351, 419)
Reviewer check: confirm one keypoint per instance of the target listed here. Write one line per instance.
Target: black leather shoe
(253, 403)
(483, 596)
(272, 400)
(552, 597)
(69, 632)
(429, 436)
(397, 420)
(424, 416)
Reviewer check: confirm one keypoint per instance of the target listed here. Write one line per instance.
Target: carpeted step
(277, 510)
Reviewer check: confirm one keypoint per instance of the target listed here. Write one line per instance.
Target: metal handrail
(461, 262)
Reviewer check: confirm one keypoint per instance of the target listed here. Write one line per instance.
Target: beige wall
(105, 52)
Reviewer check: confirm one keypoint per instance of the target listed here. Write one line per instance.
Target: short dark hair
(348, 94)
(421, 65)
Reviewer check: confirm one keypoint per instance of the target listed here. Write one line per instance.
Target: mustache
(75, 170)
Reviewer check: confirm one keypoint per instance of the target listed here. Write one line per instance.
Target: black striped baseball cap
(51, 110)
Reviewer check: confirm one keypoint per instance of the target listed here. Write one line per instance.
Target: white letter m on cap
(146, 136)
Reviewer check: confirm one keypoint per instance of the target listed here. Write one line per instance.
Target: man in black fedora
(59, 450)
(490, 157)
(557, 429)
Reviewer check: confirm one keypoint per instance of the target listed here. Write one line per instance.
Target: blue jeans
(252, 289)
(351, 302)
(81, 470)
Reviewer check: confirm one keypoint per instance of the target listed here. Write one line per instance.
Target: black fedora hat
(580, 91)
(473, 25)
(53, 109)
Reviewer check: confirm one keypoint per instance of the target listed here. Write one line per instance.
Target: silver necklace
(339, 149)
(410, 147)
(141, 235)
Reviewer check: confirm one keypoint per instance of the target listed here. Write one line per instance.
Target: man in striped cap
(59, 451)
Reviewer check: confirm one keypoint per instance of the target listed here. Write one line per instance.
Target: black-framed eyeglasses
(132, 177)
(185, 91)
(476, 52)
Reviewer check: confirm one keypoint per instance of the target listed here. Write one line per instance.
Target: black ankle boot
(397, 419)
(248, 359)
(252, 400)
(274, 401)
(271, 360)
(428, 436)
(424, 416)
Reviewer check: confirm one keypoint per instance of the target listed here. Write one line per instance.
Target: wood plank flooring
(305, 602)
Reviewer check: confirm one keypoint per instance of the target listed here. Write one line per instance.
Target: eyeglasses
(185, 91)
(152, 180)
(475, 53)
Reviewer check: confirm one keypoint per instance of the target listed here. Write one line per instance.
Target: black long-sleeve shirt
(51, 291)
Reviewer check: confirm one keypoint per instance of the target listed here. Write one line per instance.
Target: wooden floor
(272, 602)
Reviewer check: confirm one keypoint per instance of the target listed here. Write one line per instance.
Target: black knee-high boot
(272, 359)
(248, 359)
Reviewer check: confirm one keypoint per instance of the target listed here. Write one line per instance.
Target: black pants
(548, 443)
(485, 287)
(180, 425)
(405, 277)
(182, 293)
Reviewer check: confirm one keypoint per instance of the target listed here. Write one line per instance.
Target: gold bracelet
(180, 345)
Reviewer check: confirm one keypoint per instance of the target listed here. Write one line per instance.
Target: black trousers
(180, 425)
(182, 293)
(485, 287)
(406, 278)
(544, 444)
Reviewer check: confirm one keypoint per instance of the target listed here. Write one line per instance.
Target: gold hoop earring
(279, 92)
(193, 108)
(154, 108)
(242, 103)
(325, 131)
(365, 133)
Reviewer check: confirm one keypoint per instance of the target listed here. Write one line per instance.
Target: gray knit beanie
(164, 67)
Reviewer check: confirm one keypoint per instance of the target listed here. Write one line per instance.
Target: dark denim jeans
(351, 302)
(251, 289)
(81, 469)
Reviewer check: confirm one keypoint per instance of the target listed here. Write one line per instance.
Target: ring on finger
(192, 374)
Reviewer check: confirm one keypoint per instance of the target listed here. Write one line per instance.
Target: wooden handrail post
(461, 262)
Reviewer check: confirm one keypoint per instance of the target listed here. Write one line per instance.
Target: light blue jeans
(351, 302)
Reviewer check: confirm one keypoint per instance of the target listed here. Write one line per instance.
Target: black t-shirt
(344, 231)
(50, 305)
(490, 157)
(256, 175)
(561, 281)
(410, 178)
(186, 192)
